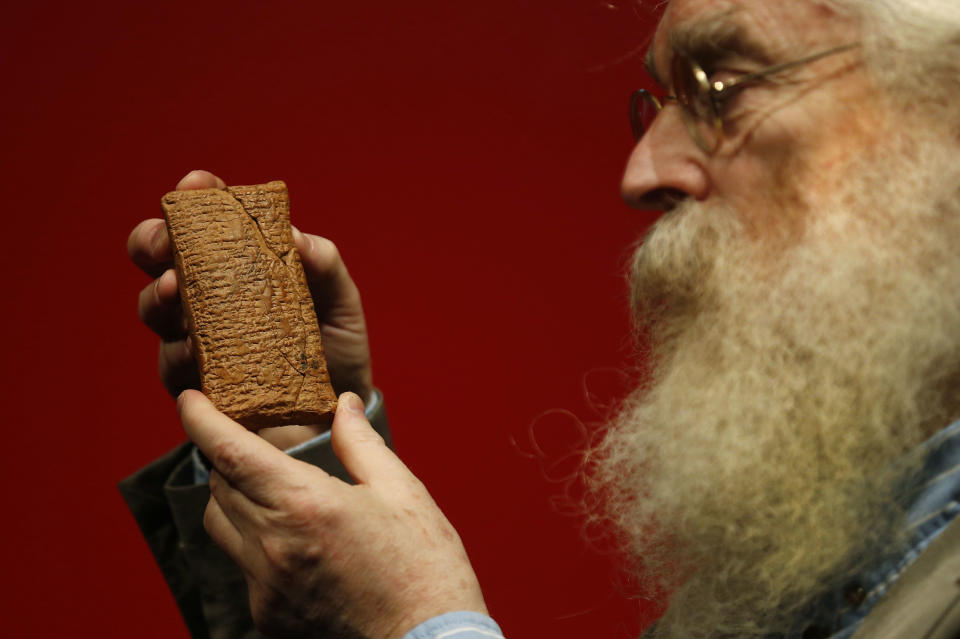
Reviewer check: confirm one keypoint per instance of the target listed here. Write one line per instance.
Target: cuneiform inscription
(248, 306)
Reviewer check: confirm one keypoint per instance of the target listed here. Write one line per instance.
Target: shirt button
(854, 595)
(815, 632)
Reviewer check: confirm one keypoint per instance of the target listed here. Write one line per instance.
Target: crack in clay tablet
(249, 311)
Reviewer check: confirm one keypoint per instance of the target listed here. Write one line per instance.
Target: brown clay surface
(250, 314)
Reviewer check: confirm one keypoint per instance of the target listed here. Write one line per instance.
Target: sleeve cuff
(201, 474)
(462, 624)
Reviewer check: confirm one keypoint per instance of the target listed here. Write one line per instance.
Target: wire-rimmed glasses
(701, 101)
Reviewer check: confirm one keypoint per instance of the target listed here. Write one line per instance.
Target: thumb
(199, 179)
(248, 462)
(327, 275)
(359, 447)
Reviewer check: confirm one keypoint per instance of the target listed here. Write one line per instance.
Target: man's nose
(666, 166)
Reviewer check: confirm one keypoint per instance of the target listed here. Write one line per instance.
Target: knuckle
(135, 239)
(371, 437)
(308, 512)
(412, 491)
(310, 508)
(326, 246)
(145, 301)
(301, 507)
(215, 483)
(177, 367)
(208, 520)
(175, 355)
(208, 524)
(164, 365)
(290, 555)
(167, 286)
(278, 553)
(326, 253)
(228, 457)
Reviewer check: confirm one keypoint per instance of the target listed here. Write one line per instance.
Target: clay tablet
(250, 314)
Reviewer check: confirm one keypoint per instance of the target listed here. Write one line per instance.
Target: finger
(177, 366)
(330, 283)
(243, 513)
(250, 464)
(159, 307)
(200, 179)
(360, 448)
(336, 300)
(149, 244)
(222, 530)
(149, 247)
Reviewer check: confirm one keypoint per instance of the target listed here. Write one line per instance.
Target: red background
(465, 156)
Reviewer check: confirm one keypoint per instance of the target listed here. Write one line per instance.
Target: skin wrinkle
(717, 38)
(802, 319)
(739, 174)
(743, 121)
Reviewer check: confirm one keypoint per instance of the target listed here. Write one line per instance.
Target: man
(789, 467)
(800, 296)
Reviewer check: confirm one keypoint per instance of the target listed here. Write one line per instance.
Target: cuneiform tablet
(249, 311)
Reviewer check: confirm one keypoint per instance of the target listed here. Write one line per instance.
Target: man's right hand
(324, 558)
(335, 298)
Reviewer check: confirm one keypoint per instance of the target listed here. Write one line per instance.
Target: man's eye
(720, 77)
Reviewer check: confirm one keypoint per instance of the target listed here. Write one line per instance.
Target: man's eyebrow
(717, 36)
(712, 38)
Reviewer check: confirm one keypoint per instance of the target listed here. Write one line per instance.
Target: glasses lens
(643, 109)
(693, 93)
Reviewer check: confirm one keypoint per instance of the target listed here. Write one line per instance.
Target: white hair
(912, 48)
(754, 469)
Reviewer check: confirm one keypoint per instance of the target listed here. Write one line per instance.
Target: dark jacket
(209, 588)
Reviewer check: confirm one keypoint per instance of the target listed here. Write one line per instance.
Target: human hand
(322, 557)
(335, 297)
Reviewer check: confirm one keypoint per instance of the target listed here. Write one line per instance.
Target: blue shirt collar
(838, 614)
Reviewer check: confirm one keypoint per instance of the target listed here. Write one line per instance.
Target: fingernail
(352, 403)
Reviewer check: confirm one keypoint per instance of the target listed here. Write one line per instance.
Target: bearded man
(789, 468)
(800, 295)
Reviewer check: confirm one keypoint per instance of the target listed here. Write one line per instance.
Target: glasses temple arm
(757, 75)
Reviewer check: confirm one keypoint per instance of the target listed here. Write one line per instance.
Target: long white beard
(755, 468)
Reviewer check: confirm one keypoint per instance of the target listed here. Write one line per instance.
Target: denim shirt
(839, 613)
(457, 625)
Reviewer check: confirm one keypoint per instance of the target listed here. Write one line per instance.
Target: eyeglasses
(701, 101)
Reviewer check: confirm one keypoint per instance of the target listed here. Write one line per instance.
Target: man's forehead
(708, 35)
(761, 13)
(759, 29)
